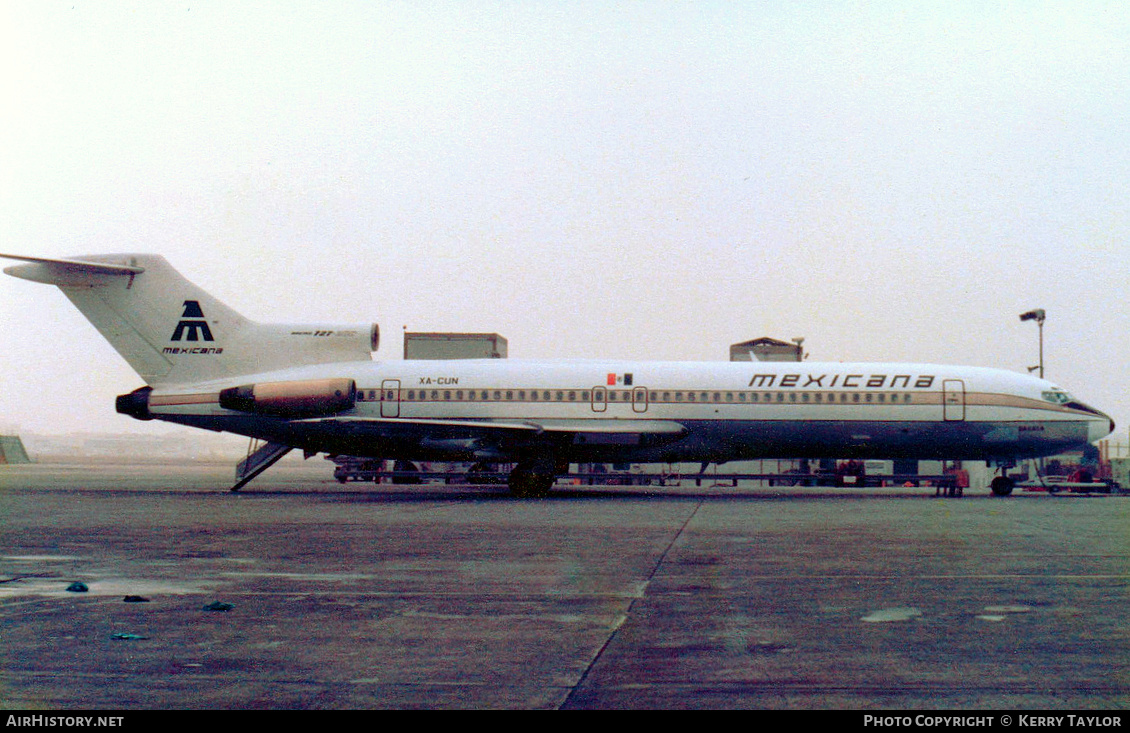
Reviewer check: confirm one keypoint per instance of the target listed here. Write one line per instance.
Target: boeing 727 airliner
(316, 388)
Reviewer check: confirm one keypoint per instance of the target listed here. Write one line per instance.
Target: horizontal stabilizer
(66, 271)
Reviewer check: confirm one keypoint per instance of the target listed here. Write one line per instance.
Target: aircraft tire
(526, 484)
(475, 474)
(1002, 486)
(406, 466)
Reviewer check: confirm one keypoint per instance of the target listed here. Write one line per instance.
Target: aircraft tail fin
(172, 332)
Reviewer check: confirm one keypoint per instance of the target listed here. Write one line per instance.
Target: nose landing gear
(1002, 486)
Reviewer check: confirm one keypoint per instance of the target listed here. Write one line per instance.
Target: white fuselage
(663, 411)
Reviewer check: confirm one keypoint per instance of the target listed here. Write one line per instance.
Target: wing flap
(612, 427)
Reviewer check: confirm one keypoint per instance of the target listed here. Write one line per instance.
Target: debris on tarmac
(135, 599)
(1000, 613)
(77, 587)
(219, 606)
(127, 637)
(887, 615)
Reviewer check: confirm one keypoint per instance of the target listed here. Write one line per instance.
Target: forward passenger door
(953, 400)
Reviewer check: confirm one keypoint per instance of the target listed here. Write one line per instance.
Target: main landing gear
(533, 479)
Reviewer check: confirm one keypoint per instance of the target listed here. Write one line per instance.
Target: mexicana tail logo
(192, 330)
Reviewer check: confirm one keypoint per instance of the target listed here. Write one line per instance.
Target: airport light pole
(1039, 316)
(800, 355)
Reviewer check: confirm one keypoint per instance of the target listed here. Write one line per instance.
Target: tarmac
(302, 593)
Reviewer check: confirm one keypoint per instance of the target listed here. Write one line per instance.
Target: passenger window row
(637, 396)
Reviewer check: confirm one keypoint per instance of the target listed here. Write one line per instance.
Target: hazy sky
(892, 181)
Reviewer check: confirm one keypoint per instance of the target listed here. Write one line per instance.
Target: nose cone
(1101, 426)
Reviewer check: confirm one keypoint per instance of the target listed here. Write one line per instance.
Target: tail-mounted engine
(306, 398)
(135, 404)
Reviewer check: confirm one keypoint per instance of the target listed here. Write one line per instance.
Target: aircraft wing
(616, 432)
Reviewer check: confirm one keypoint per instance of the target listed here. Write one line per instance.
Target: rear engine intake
(307, 398)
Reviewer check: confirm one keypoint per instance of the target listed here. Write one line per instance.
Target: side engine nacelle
(305, 398)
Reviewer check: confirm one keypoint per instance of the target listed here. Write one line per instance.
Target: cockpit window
(1057, 396)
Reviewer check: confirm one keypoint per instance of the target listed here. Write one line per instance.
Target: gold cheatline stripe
(171, 400)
